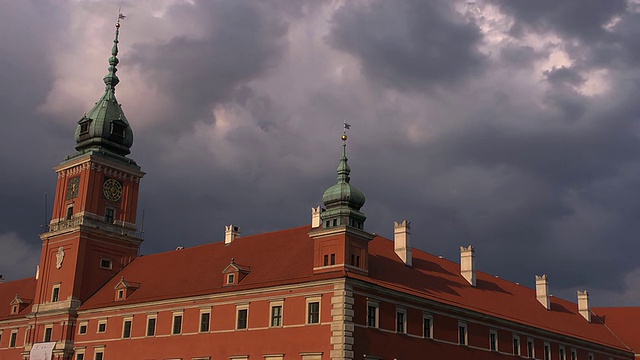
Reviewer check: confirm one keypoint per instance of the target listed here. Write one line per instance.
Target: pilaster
(342, 326)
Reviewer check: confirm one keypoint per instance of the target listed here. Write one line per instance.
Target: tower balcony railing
(65, 224)
(117, 226)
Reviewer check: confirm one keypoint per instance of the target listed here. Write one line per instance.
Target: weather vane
(344, 132)
(120, 16)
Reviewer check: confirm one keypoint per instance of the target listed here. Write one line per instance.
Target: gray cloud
(408, 44)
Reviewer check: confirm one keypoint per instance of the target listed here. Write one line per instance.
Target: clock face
(72, 187)
(112, 190)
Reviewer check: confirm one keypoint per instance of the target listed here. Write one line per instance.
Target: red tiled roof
(440, 280)
(25, 288)
(275, 258)
(286, 257)
(623, 321)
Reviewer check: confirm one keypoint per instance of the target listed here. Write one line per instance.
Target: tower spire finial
(111, 79)
(343, 168)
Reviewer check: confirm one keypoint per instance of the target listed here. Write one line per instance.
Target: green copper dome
(343, 193)
(105, 126)
(343, 201)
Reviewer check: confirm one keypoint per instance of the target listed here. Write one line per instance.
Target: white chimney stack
(315, 217)
(468, 264)
(231, 233)
(542, 291)
(583, 305)
(402, 240)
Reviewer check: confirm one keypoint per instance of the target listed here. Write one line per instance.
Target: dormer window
(125, 288)
(118, 128)
(18, 304)
(84, 125)
(234, 273)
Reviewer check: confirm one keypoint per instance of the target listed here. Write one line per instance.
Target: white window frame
(517, 350)
(53, 292)
(202, 312)
(403, 311)
(231, 279)
(78, 352)
(106, 259)
(173, 322)
(86, 328)
(238, 309)
(562, 353)
(574, 354)
(310, 300)
(13, 337)
(463, 325)
(272, 306)
(375, 304)
(430, 318)
(547, 350)
(101, 321)
(531, 351)
(124, 321)
(493, 333)
(96, 350)
(153, 317)
(44, 334)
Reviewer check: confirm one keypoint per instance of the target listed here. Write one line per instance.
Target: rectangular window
(516, 345)
(493, 340)
(99, 355)
(126, 329)
(231, 278)
(13, 339)
(109, 215)
(574, 354)
(276, 315)
(69, 212)
(326, 260)
(242, 316)
(563, 354)
(55, 294)
(80, 356)
(82, 329)
(177, 324)
(530, 349)
(313, 312)
(590, 356)
(547, 351)
(205, 321)
(151, 326)
(401, 321)
(105, 263)
(333, 259)
(462, 334)
(372, 315)
(427, 326)
(47, 333)
(102, 326)
(120, 294)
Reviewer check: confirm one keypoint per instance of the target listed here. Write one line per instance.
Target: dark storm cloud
(242, 41)
(531, 159)
(26, 75)
(408, 44)
(583, 19)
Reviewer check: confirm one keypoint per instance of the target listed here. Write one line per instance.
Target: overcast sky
(510, 125)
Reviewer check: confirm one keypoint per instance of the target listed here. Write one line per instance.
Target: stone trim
(342, 326)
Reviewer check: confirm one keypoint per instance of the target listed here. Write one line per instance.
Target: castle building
(326, 290)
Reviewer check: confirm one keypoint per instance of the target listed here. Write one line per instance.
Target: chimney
(230, 234)
(402, 240)
(315, 217)
(583, 305)
(468, 264)
(542, 291)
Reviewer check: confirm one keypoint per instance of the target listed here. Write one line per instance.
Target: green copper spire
(343, 201)
(105, 128)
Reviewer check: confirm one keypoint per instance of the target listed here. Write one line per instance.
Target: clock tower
(92, 233)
